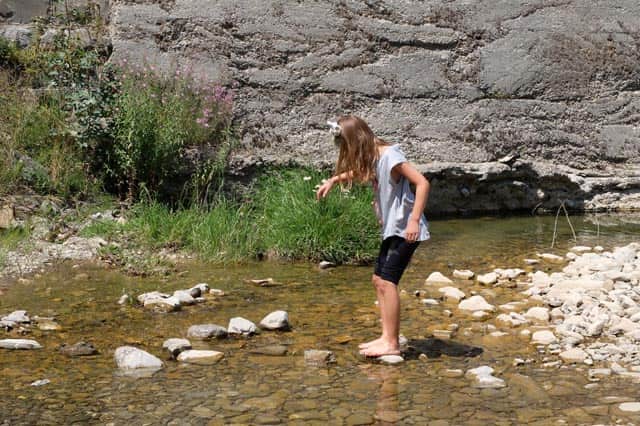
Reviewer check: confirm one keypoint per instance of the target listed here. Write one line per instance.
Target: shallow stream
(330, 309)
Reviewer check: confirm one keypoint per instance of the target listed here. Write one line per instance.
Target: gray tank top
(395, 199)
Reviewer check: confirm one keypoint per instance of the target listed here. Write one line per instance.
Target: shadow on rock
(434, 348)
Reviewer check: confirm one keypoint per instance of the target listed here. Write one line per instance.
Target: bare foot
(381, 348)
(371, 343)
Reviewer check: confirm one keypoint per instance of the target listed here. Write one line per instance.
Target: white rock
(488, 279)
(537, 313)
(277, 320)
(549, 257)
(391, 359)
(124, 299)
(169, 304)
(40, 382)
(429, 302)
(480, 315)
(184, 297)
(206, 331)
(475, 303)
(130, 358)
(598, 249)
(151, 295)
(531, 261)
(464, 274)
(576, 355)
(19, 344)
(571, 256)
(239, 325)
(630, 407)
(17, 316)
(483, 378)
(200, 357)
(581, 249)
(452, 293)
(204, 287)
(216, 292)
(175, 346)
(437, 278)
(543, 337)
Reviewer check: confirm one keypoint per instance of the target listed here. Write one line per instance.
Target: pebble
(537, 313)
(206, 331)
(124, 299)
(551, 257)
(475, 303)
(200, 357)
(241, 326)
(430, 302)
(452, 293)
(271, 350)
(326, 264)
(464, 274)
(18, 317)
(24, 344)
(543, 337)
(175, 346)
(277, 320)
(574, 355)
(482, 377)
(40, 382)
(488, 279)
(317, 357)
(129, 358)
(391, 359)
(437, 278)
(630, 407)
(531, 261)
(78, 349)
(184, 297)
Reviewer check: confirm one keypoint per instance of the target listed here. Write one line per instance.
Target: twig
(555, 227)
(566, 213)
(555, 224)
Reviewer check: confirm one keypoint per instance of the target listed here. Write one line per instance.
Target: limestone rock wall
(460, 84)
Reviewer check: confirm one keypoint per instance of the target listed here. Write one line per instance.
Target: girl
(365, 158)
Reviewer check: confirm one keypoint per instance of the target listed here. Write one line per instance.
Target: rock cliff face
(554, 85)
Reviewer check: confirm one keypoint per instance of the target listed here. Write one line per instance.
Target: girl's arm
(324, 189)
(422, 194)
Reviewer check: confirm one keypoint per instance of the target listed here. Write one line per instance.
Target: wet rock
(391, 359)
(452, 293)
(538, 314)
(574, 355)
(475, 303)
(580, 249)
(184, 297)
(17, 317)
(511, 320)
(207, 331)
(7, 325)
(488, 279)
(162, 305)
(39, 383)
(216, 292)
(482, 377)
(78, 349)
(19, 344)
(176, 346)
(203, 287)
(319, 358)
(263, 282)
(549, 257)
(436, 278)
(480, 315)
(531, 262)
(151, 295)
(326, 265)
(47, 324)
(509, 274)
(200, 357)
(464, 274)
(543, 337)
(130, 358)
(271, 350)
(277, 320)
(452, 373)
(429, 302)
(630, 407)
(241, 326)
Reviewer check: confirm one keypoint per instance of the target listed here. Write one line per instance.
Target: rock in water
(176, 346)
(18, 316)
(537, 313)
(79, 349)
(272, 350)
(184, 297)
(319, 358)
(130, 358)
(574, 355)
(543, 337)
(488, 279)
(163, 305)
(40, 382)
(19, 344)
(464, 274)
(242, 326)
(200, 357)
(437, 278)
(452, 293)
(277, 320)
(391, 359)
(475, 303)
(482, 377)
(207, 331)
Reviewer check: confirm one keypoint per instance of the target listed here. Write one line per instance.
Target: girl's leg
(387, 344)
(374, 279)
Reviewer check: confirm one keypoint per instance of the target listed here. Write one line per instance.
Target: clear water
(328, 310)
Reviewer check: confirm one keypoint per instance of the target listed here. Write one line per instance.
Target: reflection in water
(388, 404)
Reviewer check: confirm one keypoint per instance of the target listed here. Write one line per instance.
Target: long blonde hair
(358, 149)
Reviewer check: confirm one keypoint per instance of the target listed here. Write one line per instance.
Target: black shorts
(395, 254)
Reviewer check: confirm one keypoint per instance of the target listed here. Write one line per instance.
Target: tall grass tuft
(293, 225)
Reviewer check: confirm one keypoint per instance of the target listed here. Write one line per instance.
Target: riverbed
(328, 309)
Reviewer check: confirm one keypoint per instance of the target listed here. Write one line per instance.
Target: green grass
(282, 219)
(10, 239)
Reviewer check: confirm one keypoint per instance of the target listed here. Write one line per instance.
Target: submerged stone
(78, 349)
(18, 317)
(482, 377)
(176, 346)
(200, 357)
(130, 358)
(207, 331)
(241, 326)
(19, 344)
(319, 357)
(277, 320)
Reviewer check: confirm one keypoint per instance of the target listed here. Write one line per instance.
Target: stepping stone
(19, 344)
(200, 357)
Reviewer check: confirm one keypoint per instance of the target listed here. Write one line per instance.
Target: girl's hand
(413, 231)
(324, 189)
